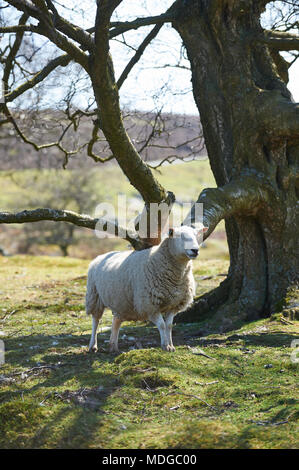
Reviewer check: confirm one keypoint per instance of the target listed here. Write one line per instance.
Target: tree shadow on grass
(271, 339)
(69, 388)
(66, 386)
(277, 339)
(69, 422)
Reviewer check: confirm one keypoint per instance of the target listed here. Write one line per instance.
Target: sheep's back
(114, 275)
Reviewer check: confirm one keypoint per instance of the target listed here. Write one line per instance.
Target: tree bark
(251, 130)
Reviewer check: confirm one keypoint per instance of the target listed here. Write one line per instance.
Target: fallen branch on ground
(193, 396)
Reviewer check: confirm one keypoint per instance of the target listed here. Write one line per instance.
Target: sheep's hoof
(113, 350)
(94, 349)
(168, 348)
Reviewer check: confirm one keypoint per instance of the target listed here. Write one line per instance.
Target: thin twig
(287, 322)
(200, 352)
(193, 396)
(36, 368)
(3, 319)
(207, 383)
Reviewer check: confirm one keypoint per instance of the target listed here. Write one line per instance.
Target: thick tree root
(206, 304)
(222, 315)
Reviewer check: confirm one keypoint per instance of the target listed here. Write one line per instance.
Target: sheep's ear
(170, 232)
(201, 230)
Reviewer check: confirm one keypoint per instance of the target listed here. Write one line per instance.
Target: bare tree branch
(17, 29)
(91, 143)
(53, 21)
(100, 68)
(138, 54)
(245, 195)
(61, 61)
(106, 93)
(58, 143)
(59, 215)
(122, 27)
(281, 40)
(50, 27)
(13, 51)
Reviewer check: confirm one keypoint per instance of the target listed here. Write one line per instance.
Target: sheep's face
(185, 240)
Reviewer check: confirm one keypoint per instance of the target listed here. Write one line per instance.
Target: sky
(177, 94)
(155, 82)
(139, 89)
(294, 81)
(177, 97)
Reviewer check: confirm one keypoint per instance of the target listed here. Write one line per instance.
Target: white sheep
(153, 284)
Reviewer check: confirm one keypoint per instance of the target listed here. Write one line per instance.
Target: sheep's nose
(194, 251)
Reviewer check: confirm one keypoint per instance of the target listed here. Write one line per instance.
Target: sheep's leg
(95, 308)
(93, 344)
(113, 345)
(168, 322)
(158, 320)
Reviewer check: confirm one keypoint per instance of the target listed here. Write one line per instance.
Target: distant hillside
(167, 135)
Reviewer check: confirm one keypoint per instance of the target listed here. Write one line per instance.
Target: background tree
(75, 191)
(250, 125)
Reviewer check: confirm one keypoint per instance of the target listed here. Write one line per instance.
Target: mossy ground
(53, 394)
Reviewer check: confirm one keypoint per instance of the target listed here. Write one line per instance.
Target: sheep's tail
(93, 303)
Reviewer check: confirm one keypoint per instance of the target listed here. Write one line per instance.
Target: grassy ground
(236, 390)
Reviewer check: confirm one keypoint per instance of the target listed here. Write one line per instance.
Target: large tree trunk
(251, 130)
